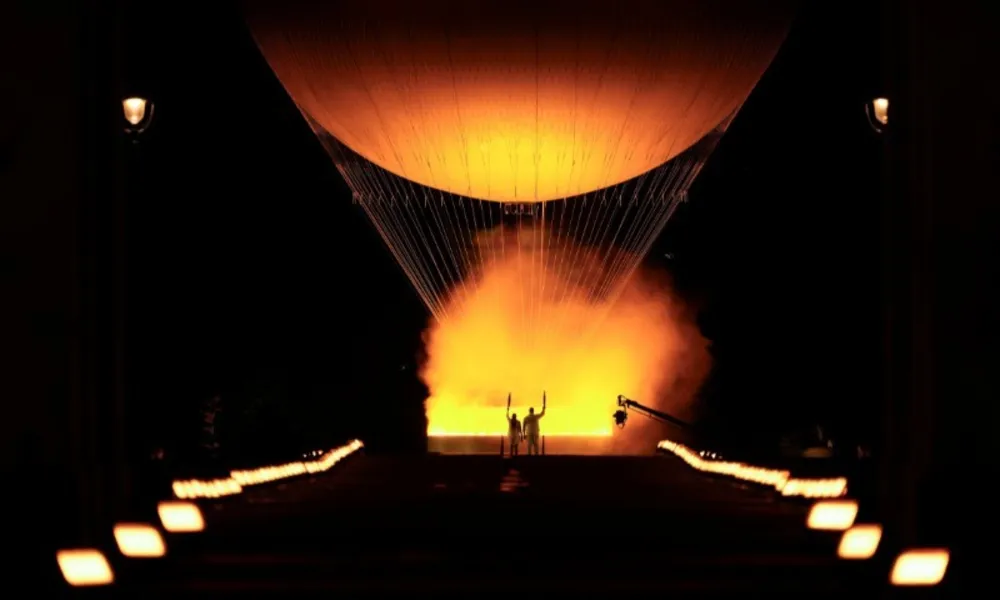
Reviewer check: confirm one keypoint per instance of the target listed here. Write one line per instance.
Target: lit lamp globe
(878, 113)
(138, 113)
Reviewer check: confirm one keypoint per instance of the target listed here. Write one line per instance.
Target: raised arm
(508, 406)
(542, 414)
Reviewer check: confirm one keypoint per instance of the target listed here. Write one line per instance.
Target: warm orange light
(745, 472)
(447, 434)
(139, 540)
(85, 567)
(216, 488)
(580, 352)
(833, 515)
(507, 103)
(860, 542)
(779, 479)
(920, 567)
(181, 517)
(833, 487)
(135, 109)
(881, 109)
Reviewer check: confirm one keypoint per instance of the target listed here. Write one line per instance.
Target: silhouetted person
(531, 428)
(513, 430)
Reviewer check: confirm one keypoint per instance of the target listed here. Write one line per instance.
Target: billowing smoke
(536, 318)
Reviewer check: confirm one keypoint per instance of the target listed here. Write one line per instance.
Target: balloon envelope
(519, 101)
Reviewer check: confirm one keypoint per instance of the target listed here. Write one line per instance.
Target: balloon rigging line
(444, 248)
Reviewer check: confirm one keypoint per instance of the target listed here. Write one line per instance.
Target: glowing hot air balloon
(521, 101)
(548, 139)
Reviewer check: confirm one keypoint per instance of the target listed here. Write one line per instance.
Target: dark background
(228, 286)
(252, 276)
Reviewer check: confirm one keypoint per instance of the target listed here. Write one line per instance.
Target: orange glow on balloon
(519, 101)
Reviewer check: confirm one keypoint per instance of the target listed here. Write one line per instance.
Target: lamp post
(877, 112)
(138, 112)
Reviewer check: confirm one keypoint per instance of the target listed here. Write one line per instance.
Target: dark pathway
(474, 525)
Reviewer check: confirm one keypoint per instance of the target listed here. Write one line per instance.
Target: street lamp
(138, 113)
(878, 113)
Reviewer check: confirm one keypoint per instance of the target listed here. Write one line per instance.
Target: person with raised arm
(531, 427)
(514, 432)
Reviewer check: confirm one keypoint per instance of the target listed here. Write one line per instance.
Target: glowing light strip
(237, 480)
(920, 566)
(449, 434)
(779, 479)
(925, 567)
(85, 567)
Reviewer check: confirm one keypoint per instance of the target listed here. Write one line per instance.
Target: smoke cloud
(536, 317)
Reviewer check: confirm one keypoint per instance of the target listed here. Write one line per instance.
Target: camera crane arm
(621, 415)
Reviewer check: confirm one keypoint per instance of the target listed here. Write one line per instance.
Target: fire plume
(530, 321)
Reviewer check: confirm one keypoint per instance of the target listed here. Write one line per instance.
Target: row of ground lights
(89, 566)
(919, 566)
(237, 480)
(780, 480)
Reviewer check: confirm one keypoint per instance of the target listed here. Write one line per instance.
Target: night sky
(252, 276)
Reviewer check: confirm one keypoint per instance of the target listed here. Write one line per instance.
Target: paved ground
(475, 525)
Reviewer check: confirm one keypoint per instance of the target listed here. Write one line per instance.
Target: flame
(535, 318)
